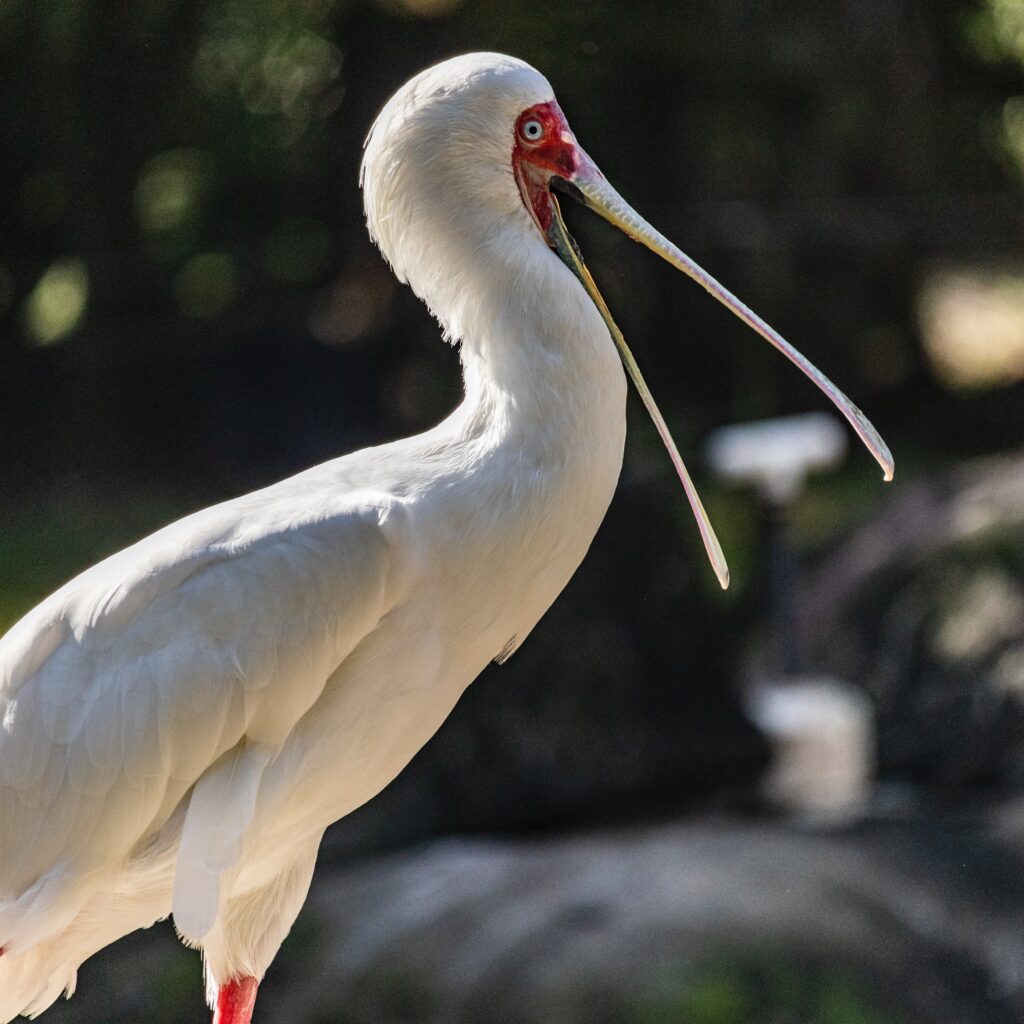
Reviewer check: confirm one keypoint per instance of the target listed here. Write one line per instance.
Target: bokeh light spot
(1013, 130)
(972, 326)
(1007, 21)
(206, 284)
(56, 305)
(988, 609)
(1008, 672)
(261, 55)
(351, 306)
(429, 8)
(169, 189)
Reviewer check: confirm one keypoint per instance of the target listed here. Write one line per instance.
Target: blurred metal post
(821, 730)
(776, 456)
(782, 576)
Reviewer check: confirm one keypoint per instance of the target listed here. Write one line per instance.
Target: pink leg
(235, 1001)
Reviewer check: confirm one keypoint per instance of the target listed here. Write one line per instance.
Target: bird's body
(302, 642)
(180, 723)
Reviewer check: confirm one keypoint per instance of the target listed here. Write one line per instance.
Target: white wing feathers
(198, 648)
(219, 812)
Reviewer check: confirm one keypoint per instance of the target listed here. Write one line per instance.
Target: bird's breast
(518, 524)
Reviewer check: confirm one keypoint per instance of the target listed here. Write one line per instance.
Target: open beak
(588, 185)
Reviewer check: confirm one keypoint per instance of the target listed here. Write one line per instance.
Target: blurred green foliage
(43, 545)
(166, 163)
(782, 991)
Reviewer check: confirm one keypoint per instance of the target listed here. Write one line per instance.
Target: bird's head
(463, 168)
(437, 175)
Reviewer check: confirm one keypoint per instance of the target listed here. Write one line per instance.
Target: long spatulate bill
(566, 248)
(590, 185)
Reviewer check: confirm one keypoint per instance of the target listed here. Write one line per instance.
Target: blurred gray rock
(714, 922)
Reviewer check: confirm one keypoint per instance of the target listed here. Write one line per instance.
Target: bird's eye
(532, 130)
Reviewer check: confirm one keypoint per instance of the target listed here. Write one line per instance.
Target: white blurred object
(822, 733)
(776, 455)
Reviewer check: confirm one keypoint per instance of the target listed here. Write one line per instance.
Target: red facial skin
(535, 162)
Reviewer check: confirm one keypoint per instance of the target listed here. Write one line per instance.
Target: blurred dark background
(190, 307)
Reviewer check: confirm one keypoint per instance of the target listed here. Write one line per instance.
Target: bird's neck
(538, 363)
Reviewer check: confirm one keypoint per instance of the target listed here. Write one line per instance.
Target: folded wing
(203, 643)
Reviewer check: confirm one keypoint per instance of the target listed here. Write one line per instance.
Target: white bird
(181, 722)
